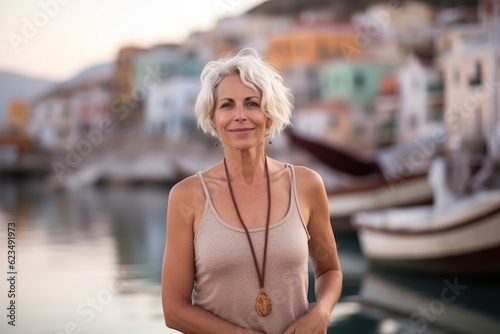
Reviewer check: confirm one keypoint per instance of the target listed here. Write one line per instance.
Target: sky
(56, 39)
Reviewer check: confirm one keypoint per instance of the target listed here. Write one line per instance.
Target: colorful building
(15, 128)
(309, 45)
(385, 108)
(355, 82)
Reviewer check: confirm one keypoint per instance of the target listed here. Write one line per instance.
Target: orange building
(309, 45)
(122, 84)
(15, 131)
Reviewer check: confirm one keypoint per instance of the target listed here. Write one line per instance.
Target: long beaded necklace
(263, 303)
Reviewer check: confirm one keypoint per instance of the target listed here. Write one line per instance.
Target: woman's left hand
(313, 322)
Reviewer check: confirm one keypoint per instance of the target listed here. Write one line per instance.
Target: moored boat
(460, 235)
(374, 185)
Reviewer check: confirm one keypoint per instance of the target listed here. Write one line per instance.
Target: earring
(216, 144)
(267, 134)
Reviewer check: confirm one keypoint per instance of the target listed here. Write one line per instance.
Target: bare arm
(178, 268)
(323, 252)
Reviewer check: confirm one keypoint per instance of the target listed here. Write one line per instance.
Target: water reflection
(88, 261)
(91, 259)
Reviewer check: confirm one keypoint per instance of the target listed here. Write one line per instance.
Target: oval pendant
(263, 305)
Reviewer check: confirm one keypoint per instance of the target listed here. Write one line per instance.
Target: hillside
(13, 85)
(343, 8)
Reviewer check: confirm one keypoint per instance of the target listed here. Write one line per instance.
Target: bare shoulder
(187, 196)
(186, 187)
(308, 180)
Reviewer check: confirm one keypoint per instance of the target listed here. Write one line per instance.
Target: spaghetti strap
(295, 196)
(204, 185)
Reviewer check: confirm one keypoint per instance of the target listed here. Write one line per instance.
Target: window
(476, 79)
(359, 80)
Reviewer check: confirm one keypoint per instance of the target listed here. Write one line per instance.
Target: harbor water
(89, 261)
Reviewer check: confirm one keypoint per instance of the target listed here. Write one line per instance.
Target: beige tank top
(226, 282)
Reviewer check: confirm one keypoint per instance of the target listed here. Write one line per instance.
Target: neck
(245, 165)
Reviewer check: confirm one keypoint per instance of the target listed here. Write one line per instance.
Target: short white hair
(255, 73)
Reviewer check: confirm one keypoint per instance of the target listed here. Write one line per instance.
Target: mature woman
(239, 235)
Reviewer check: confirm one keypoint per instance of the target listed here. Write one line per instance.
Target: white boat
(376, 194)
(460, 235)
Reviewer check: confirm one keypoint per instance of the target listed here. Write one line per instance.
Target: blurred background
(396, 105)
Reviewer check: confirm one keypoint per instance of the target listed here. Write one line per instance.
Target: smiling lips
(241, 130)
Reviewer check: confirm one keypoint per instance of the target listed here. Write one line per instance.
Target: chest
(252, 202)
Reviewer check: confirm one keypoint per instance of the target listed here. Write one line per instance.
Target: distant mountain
(14, 85)
(91, 73)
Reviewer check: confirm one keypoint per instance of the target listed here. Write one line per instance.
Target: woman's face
(238, 116)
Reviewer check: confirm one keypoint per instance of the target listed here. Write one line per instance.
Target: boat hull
(473, 246)
(376, 196)
(480, 262)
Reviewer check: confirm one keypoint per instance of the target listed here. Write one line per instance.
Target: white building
(470, 94)
(91, 104)
(304, 82)
(421, 101)
(61, 117)
(170, 106)
(53, 125)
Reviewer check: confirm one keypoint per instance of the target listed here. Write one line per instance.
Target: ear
(212, 121)
(269, 122)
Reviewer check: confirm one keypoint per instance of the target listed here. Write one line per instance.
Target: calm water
(90, 262)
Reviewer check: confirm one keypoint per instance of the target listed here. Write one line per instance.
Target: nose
(240, 114)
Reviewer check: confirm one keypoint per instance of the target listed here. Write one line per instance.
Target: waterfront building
(63, 115)
(356, 81)
(470, 91)
(421, 100)
(169, 108)
(303, 80)
(385, 108)
(122, 87)
(15, 128)
(309, 44)
(53, 125)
